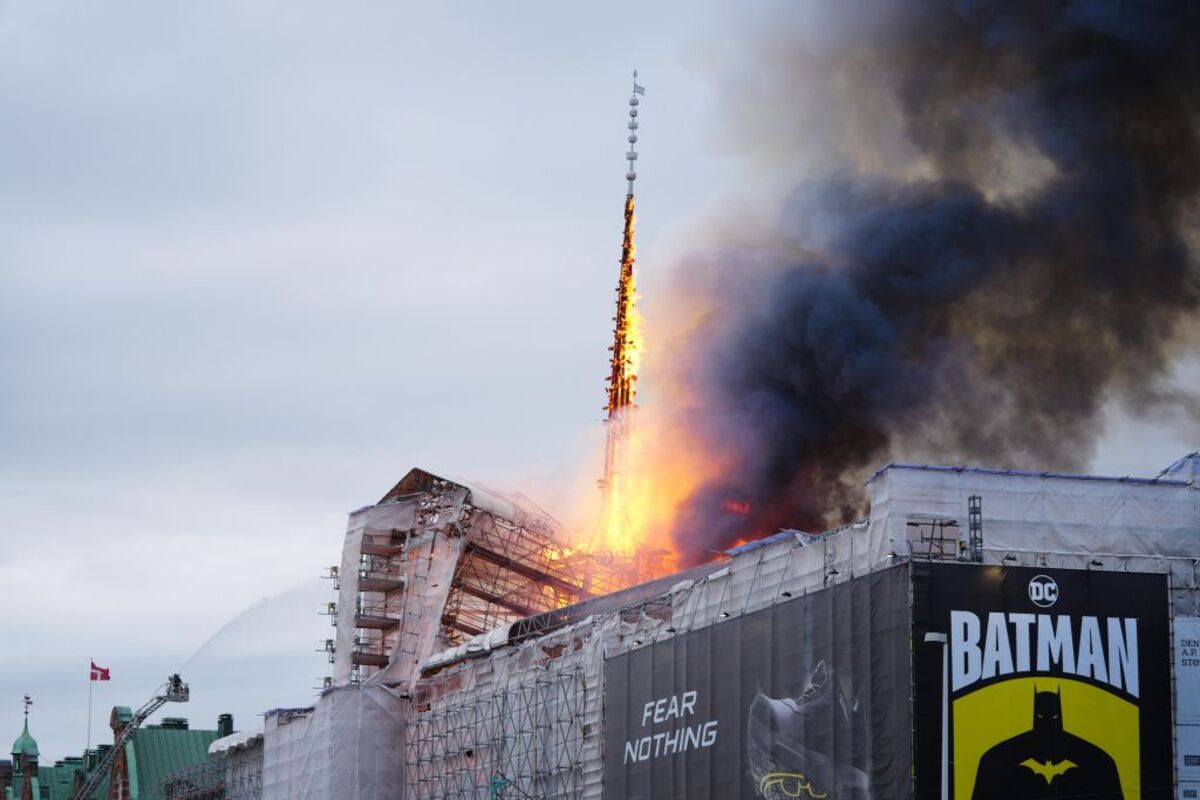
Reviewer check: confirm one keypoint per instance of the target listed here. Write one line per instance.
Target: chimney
(225, 725)
(174, 723)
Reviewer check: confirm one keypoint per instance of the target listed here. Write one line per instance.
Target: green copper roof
(52, 783)
(155, 752)
(152, 754)
(25, 744)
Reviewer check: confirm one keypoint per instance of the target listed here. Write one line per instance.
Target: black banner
(807, 699)
(1041, 683)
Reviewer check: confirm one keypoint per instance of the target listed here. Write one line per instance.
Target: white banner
(1187, 704)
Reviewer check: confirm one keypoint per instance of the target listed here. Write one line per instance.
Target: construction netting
(348, 746)
(526, 716)
(1044, 519)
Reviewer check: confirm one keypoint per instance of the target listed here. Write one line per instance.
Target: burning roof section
(442, 570)
(918, 512)
(437, 562)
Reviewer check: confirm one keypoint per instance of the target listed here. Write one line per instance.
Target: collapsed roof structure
(437, 562)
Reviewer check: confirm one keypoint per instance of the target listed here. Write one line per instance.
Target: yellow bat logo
(791, 784)
(1048, 770)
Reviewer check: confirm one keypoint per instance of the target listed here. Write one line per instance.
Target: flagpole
(89, 734)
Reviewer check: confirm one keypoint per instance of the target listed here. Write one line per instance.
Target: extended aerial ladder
(173, 691)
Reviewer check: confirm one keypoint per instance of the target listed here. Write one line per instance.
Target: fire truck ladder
(173, 691)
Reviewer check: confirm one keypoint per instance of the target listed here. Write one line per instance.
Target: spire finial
(28, 703)
(632, 155)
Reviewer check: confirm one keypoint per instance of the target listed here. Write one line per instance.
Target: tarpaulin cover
(1068, 521)
(808, 698)
(370, 519)
(1059, 516)
(350, 747)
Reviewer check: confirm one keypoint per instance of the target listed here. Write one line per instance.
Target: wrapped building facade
(911, 654)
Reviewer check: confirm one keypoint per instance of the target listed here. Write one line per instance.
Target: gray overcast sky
(258, 259)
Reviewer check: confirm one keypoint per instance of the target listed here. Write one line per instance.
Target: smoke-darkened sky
(257, 260)
(999, 240)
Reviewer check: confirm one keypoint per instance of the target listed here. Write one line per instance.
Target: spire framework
(622, 378)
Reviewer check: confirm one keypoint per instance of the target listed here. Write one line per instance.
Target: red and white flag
(99, 673)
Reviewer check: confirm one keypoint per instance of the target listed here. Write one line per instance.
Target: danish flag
(99, 673)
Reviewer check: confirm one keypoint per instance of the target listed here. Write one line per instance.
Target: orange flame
(627, 328)
(651, 467)
(613, 533)
(739, 507)
(664, 466)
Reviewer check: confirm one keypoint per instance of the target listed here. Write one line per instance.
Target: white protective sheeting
(758, 575)
(235, 741)
(474, 647)
(243, 770)
(350, 746)
(290, 756)
(528, 714)
(1047, 519)
(532, 711)
(1185, 469)
(381, 517)
(1042, 512)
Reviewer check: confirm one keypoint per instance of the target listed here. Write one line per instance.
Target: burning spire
(622, 378)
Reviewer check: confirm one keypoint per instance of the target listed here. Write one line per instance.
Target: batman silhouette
(1046, 762)
(799, 747)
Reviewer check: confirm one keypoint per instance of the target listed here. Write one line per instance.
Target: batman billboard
(1041, 683)
(806, 699)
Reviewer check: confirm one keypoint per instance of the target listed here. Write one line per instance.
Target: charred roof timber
(441, 561)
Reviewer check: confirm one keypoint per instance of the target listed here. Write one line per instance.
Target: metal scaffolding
(938, 537)
(508, 571)
(494, 558)
(215, 779)
(523, 742)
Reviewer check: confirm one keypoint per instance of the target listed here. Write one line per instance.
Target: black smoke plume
(1030, 256)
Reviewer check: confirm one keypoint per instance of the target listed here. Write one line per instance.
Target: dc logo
(1043, 591)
